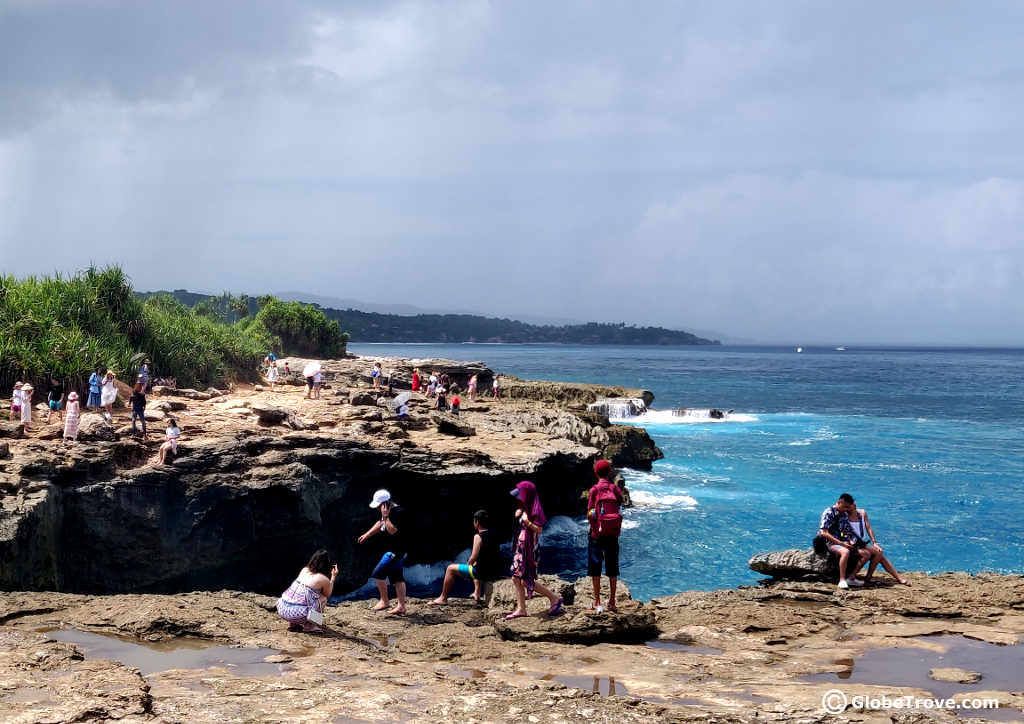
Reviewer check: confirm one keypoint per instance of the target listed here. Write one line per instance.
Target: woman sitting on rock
(861, 526)
(530, 522)
(309, 593)
(172, 433)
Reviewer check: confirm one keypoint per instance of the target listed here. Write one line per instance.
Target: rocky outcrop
(93, 427)
(575, 395)
(451, 425)
(795, 563)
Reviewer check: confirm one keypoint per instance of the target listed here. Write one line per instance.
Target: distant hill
(380, 327)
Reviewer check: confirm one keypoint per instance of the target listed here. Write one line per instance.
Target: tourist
(95, 383)
(530, 521)
(416, 380)
(472, 388)
(456, 403)
(841, 540)
(861, 526)
(302, 605)
(484, 562)
(442, 396)
(317, 380)
(16, 400)
(272, 374)
(287, 369)
(496, 389)
(138, 403)
(310, 381)
(108, 394)
(375, 374)
(71, 419)
(390, 378)
(170, 443)
(445, 381)
(432, 387)
(144, 375)
(403, 411)
(603, 504)
(392, 525)
(55, 400)
(26, 405)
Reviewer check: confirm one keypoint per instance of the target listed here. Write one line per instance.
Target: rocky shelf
(760, 654)
(265, 477)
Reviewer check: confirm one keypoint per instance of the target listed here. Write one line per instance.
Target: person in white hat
(26, 405)
(71, 419)
(395, 549)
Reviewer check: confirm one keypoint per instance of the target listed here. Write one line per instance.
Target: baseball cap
(381, 496)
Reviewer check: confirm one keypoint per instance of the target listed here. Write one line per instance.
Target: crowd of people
(302, 605)
(102, 394)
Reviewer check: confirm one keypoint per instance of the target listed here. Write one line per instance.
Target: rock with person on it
(94, 427)
(795, 563)
(577, 624)
(362, 397)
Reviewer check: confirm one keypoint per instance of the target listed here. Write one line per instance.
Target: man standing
(835, 528)
(605, 526)
(392, 563)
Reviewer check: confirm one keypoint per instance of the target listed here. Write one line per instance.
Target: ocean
(929, 441)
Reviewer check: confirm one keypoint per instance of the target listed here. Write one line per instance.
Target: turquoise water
(930, 442)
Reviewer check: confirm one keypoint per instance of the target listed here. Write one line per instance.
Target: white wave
(563, 525)
(688, 417)
(630, 524)
(658, 500)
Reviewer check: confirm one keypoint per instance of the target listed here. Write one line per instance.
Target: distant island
(455, 328)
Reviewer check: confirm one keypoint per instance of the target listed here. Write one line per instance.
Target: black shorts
(309, 382)
(606, 550)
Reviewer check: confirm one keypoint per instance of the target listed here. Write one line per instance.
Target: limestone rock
(169, 405)
(451, 425)
(11, 429)
(955, 675)
(5, 450)
(270, 414)
(94, 427)
(154, 415)
(362, 398)
(794, 563)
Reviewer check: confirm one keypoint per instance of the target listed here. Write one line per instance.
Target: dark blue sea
(929, 441)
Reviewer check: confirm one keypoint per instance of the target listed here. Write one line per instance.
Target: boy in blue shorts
(484, 562)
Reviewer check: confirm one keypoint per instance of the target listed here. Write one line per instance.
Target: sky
(798, 171)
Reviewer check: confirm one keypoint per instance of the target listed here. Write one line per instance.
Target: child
(138, 401)
(55, 400)
(416, 380)
(456, 403)
(317, 379)
(484, 562)
(170, 442)
(497, 389)
(375, 374)
(71, 419)
(472, 388)
(16, 401)
(442, 394)
(272, 375)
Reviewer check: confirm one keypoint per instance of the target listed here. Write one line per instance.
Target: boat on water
(840, 349)
(799, 349)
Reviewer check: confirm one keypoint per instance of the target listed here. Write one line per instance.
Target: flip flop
(613, 608)
(437, 603)
(556, 608)
(516, 615)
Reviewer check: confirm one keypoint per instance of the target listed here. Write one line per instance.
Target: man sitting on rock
(836, 529)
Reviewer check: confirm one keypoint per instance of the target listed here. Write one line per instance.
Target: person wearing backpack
(605, 526)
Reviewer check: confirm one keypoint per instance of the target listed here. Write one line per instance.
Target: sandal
(556, 607)
(514, 615)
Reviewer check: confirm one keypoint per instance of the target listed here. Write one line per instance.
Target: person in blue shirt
(95, 382)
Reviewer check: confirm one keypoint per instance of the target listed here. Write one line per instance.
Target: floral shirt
(838, 524)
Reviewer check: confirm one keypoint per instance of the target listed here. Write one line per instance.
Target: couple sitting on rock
(845, 531)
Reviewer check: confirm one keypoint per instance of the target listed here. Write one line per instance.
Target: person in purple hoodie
(530, 520)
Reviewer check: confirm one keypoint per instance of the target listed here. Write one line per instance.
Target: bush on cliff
(301, 328)
(65, 326)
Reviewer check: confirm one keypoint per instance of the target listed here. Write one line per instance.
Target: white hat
(380, 497)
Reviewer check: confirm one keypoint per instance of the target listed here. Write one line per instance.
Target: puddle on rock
(686, 648)
(603, 685)
(1001, 667)
(151, 658)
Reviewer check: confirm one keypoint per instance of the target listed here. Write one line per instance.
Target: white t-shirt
(173, 433)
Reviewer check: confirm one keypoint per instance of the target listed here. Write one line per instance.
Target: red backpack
(607, 515)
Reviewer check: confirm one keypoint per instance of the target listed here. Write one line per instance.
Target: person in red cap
(605, 517)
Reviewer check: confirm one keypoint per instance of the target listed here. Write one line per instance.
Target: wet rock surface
(723, 656)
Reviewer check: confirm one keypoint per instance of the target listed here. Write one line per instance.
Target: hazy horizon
(793, 174)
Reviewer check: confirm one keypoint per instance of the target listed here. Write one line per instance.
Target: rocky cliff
(263, 478)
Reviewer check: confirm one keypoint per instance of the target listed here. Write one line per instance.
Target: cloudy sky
(796, 171)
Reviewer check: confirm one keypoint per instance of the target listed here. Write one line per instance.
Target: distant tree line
(375, 327)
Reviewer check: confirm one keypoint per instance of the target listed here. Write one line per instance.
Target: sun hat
(380, 497)
(602, 468)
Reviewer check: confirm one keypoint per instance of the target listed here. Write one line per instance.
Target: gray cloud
(795, 172)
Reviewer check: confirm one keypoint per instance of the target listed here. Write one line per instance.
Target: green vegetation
(66, 326)
(374, 327)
